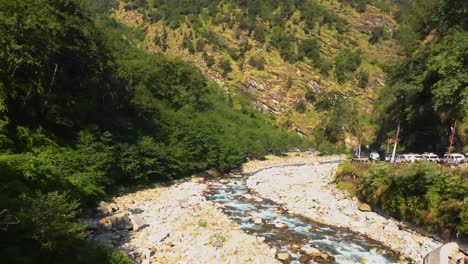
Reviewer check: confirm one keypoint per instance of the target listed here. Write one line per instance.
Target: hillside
(302, 61)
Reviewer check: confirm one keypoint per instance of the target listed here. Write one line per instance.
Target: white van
(430, 157)
(454, 158)
(404, 158)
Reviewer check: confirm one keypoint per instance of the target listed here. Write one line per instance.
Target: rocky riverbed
(308, 190)
(176, 225)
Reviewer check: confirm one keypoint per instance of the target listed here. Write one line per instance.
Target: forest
(427, 92)
(84, 112)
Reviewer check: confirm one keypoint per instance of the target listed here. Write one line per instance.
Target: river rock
(138, 222)
(283, 256)
(120, 221)
(105, 208)
(364, 207)
(311, 251)
(295, 248)
(446, 254)
(224, 181)
(280, 224)
(198, 180)
(304, 259)
(258, 221)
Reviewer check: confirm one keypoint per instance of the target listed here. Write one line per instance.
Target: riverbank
(308, 190)
(176, 224)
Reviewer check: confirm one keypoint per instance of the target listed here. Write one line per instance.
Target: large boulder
(364, 207)
(446, 254)
(105, 208)
(120, 221)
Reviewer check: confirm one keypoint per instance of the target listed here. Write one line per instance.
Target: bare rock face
(364, 208)
(446, 254)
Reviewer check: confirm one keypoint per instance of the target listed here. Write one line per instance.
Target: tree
(225, 66)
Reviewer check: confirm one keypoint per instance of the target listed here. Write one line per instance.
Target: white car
(374, 156)
(430, 157)
(454, 158)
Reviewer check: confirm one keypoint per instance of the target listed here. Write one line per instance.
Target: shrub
(301, 106)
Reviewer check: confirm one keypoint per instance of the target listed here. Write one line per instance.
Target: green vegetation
(428, 90)
(423, 193)
(82, 111)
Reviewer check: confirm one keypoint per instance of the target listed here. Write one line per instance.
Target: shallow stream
(288, 233)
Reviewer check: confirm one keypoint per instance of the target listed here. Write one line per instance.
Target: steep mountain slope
(314, 64)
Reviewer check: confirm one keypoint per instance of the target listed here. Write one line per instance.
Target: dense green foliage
(428, 91)
(424, 193)
(82, 110)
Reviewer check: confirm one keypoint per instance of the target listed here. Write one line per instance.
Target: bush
(258, 62)
(422, 193)
(301, 106)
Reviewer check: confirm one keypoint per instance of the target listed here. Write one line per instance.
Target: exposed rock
(283, 256)
(279, 224)
(105, 208)
(257, 221)
(224, 181)
(138, 222)
(364, 207)
(120, 221)
(311, 251)
(198, 180)
(295, 248)
(446, 254)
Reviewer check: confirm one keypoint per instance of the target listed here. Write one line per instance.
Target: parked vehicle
(374, 156)
(416, 157)
(430, 157)
(404, 158)
(454, 158)
(388, 157)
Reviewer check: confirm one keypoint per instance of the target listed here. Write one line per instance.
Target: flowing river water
(288, 233)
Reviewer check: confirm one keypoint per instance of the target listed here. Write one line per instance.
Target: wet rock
(364, 207)
(280, 224)
(313, 229)
(257, 221)
(120, 221)
(311, 251)
(283, 256)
